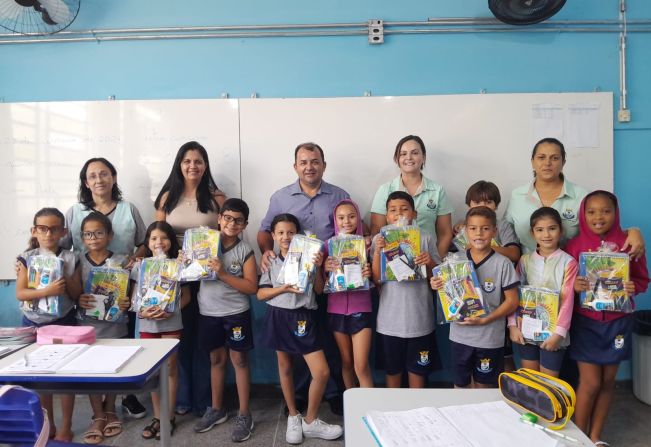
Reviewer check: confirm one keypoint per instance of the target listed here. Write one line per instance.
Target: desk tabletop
(138, 369)
(359, 401)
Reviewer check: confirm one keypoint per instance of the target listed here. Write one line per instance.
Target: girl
(552, 268)
(349, 313)
(600, 339)
(48, 229)
(96, 231)
(156, 323)
(290, 327)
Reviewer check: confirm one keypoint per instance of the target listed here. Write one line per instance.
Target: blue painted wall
(340, 66)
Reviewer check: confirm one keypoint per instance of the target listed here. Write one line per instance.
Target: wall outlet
(624, 115)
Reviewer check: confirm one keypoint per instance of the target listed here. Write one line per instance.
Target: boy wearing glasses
(225, 319)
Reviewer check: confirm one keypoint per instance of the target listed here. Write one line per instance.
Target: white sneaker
(322, 430)
(294, 433)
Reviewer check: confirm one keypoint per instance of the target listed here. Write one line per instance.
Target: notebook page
(101, 360)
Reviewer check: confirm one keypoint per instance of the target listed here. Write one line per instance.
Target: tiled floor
(628, 425)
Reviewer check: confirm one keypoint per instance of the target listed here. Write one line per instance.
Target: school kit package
(551, 399)
(298, 268)
(109, 286)
(537, 313)
(461, 295)
(43, 270)
(199, 246)
(350, 252)
(606, 273)
(402, 248)
(461, 241)
(158, 284)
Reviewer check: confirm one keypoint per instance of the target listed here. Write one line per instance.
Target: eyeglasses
(99, 234)
(229, 219)
(101, 176)
(44, 229)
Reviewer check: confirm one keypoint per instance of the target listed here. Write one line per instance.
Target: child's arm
(380, 243)
(443, 234)
(23, 293)
(510, 251)
(74, 285)
(247, 284)
(266, 293)
(318, 279)
(508, 306)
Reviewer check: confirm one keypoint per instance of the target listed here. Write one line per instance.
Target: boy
(405, 321)
(225, 319)
(478, 342)
(483, 193)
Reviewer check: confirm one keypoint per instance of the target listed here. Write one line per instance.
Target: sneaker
(294, 433)
(132, 407)
(210, 418)
(321, 430)
(242, 428)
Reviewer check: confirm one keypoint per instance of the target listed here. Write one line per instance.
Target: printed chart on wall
(44, 146)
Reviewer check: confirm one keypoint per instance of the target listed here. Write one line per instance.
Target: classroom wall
(341, 66)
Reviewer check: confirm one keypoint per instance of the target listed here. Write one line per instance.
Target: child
(552, 268)
(97, 233)
(48, 229)
(349, 313)
(290, 327)
(405, 320)
(156, 323)
(225, 319)
(478, 342)
(600, 340)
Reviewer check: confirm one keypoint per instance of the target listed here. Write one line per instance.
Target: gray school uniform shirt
(406, 307)
(173, 323)
(495, 274)
(285, 300)
(506, 234)
(103, 329)
(218, 299)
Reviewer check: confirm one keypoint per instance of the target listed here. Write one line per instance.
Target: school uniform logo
(488, 285)
(235, 268)
(568, 214)
(236, 334)
(431, 204)
(619, 342)
(484, 366)
(424, 358)
(356, 315)
(301, 328)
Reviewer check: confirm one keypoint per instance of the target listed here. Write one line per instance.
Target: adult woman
(549, 187)
(432, 204)
(190, 198)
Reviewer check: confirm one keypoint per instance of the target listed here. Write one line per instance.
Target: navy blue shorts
(417, 355)
(551, 360)
(232, 330)
(69, 320)
(350, 324)
(508, 346)
(294, 331)
(601, 342)
(484, 365)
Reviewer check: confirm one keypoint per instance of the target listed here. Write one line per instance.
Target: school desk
(138, 373)
(359, 401)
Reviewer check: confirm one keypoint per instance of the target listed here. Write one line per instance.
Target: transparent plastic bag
(350, 252)
(461, 295)
(606, 271)
(109, 286)
(402, 248)
(199, 246)
(299, 268)
(537, 313)
(158, 284)
(43, 270)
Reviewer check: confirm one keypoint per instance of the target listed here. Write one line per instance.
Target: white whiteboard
(467, 137)
(44, 146)
(251, 147)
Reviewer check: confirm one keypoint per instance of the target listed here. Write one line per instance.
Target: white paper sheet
(46, 359)
(400, 269)
(582, 126)
(531, 326)
(547, 121)
(100, 360)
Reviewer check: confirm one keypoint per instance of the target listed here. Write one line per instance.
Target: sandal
(172, 428)
(94, 436)
(602, 443)
(112, 428)
(152, 430)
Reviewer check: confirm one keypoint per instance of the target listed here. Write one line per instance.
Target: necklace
(189, 202)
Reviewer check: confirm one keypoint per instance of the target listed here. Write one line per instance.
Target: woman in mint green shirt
(432, 203)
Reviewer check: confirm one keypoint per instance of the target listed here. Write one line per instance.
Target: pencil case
(55, 334)
(547, 397)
